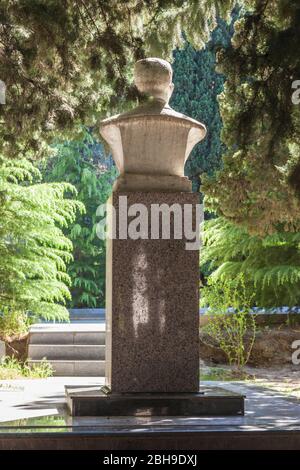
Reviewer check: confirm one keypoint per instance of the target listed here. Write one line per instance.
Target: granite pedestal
(152, 272)
(152, 301)
(152, 320)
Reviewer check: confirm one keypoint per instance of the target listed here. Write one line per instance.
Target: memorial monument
(152, 279)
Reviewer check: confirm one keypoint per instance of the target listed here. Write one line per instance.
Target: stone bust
(151, 143)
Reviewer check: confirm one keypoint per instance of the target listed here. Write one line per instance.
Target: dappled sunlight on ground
(282, 379)
(40, 403)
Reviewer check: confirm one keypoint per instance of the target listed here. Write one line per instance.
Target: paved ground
(40, 403)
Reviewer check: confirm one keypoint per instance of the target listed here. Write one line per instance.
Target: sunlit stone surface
(151, 143)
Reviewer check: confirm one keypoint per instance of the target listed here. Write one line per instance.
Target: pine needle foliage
(258, 186)
(34, 252)
(70, 61)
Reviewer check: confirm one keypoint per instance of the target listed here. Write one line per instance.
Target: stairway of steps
(73, 349)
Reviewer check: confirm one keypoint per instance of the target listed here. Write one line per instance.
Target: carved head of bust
(153, 77)
(151, 143)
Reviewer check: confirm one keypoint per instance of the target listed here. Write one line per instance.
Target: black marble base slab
(211, 401)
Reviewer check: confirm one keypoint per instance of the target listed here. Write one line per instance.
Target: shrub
(231, 327)
(13, 323)
(11, 368)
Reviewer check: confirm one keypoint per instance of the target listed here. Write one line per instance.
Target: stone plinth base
(212, 401)
(162, 183)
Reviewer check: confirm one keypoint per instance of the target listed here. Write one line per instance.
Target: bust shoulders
(153, 108)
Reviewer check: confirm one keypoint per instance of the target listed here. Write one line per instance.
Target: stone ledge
(211, 401)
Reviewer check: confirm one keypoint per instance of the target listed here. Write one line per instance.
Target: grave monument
(152, 277)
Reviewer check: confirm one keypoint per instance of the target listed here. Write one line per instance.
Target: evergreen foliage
(256, 192)
(83, 164)
(65, 62)
(34, 252)
(69, 61)
(197, 85)
(258, 186)
(270, 265)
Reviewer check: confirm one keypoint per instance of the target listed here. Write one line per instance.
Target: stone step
(66, 351)
(68, 333)
(67, 338)
(78, 319)
(87, 315)
(68, 368)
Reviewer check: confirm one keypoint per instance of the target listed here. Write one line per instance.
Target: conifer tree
(84, 164)
(69, 61)
(34, 252)
(257, 190)
(258, 186)
(197, 85)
